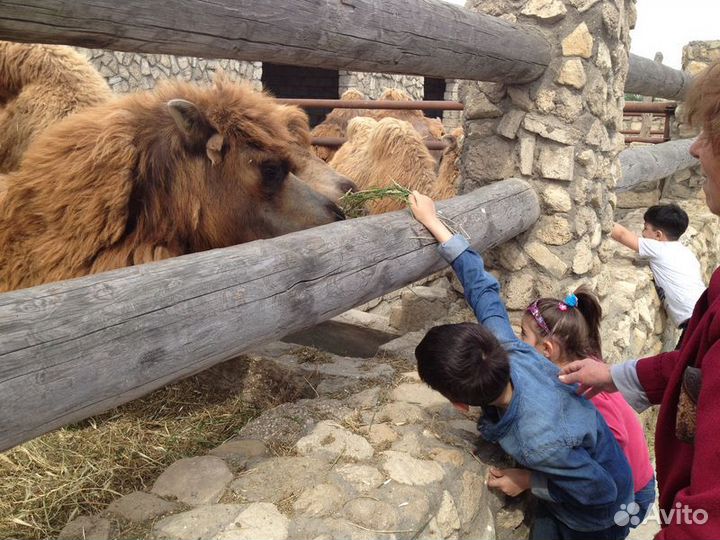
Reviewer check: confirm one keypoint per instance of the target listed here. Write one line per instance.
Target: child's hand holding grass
(423, 209)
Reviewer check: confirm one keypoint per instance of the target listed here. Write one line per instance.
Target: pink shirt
(625, 425)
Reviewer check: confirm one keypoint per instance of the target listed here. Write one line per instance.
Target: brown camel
(153, 175)
(379, 154)
(39, 85)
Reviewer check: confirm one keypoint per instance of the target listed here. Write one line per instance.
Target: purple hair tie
(535, 312)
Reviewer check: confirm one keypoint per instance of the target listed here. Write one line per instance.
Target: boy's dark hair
(577, 329)
(669, 218)
(464, 362)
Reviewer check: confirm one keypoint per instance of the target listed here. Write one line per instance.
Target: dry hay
(79, 469)
(353, 203)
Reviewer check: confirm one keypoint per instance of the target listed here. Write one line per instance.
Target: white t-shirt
(678, 278)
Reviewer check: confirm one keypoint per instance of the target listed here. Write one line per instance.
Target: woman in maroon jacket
(686, 382)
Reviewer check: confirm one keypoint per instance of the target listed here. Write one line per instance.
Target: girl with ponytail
(567, 330)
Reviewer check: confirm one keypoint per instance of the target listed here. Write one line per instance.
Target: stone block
(632, 199)
(578, 43)
(547, 259)
(551, 128)
(138, 506)
(572, 73)
(511, 257)
(556, 162)
(546, 10)
(419, 307)
(583, 259)
(490, 158)
(194, 481)
(554, 230)
(556, 199)
(527, 154)
(519, 291)
(583, 5)
(509, 125)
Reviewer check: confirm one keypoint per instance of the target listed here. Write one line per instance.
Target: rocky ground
(376, 454)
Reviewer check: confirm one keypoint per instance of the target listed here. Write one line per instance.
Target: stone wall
(126, 71)
(696, 56)
(562, 134)
(373, 84)
(635, 323)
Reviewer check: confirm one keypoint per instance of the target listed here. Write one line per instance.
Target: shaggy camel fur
(310, 168)
(153, 175)
(430, 129)
(391, 150)
(39, 85)
(335, 123)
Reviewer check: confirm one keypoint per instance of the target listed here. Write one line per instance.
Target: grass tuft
(353, 204)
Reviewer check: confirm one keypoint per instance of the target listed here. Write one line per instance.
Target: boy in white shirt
(676, 270)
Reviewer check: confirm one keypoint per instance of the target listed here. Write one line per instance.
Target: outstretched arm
(482, 290)
(625, 237)
(423, 208)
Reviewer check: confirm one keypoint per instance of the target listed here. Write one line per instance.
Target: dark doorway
(434, 91)
(301, 82)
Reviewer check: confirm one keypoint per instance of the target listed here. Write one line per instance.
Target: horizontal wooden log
(652, 163)
(648, 78)
(73, 349)
(417, 37)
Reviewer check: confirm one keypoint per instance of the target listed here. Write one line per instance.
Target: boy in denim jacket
(571, 461)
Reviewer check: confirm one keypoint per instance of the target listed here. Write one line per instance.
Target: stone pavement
(376, 454)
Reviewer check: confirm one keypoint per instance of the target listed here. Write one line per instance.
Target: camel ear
(196, 128)
(187, 116)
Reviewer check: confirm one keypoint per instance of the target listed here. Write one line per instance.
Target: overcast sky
(668, 25)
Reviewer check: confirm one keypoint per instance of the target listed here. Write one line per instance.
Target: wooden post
(73, 349)
(416, 37)
(652, 163)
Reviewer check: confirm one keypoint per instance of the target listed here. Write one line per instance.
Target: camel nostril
(348, 185)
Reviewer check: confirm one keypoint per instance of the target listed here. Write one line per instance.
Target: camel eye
(274, 174)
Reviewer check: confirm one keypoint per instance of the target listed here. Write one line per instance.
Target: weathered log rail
(416, 37)
(648, 78)
(76, 348)
(650, 164)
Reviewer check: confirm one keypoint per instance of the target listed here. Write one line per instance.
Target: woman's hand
(511, 482)
(594, 377)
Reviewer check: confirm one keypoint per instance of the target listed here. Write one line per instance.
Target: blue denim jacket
(577, 466)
